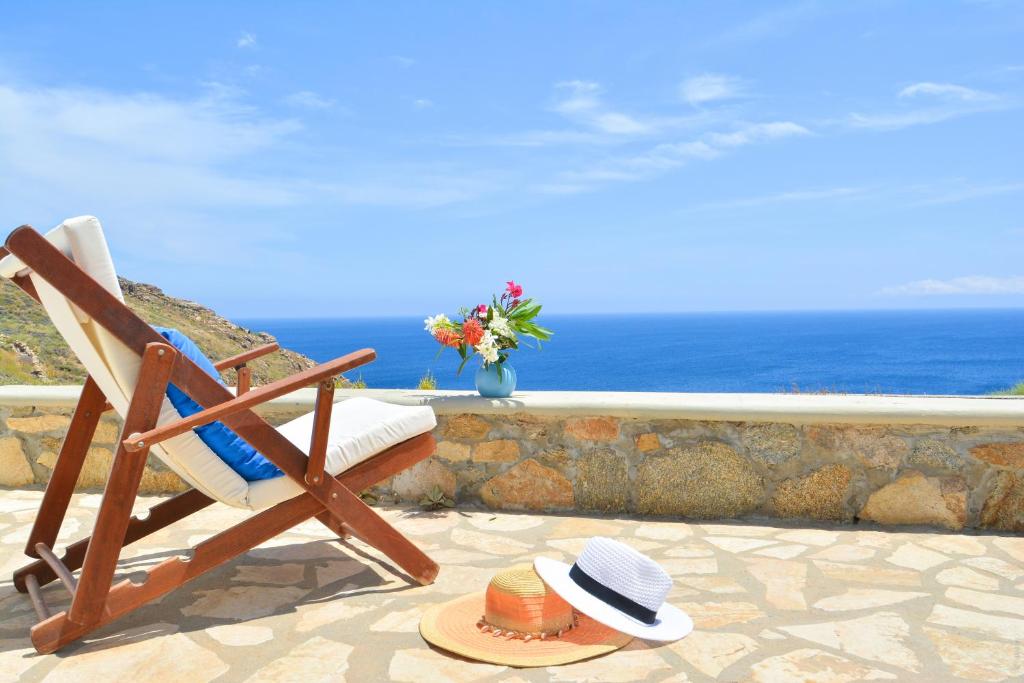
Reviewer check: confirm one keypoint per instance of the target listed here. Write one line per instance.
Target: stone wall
(836, 464)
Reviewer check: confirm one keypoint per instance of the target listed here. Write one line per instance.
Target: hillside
(31, 351)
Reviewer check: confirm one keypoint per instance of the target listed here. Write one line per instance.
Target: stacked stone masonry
(931, 475)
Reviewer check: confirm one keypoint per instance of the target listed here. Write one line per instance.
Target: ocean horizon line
(621, 314)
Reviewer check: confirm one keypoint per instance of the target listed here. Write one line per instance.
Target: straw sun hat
(518, 621)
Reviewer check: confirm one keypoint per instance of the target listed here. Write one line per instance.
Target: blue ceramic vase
(497, 380)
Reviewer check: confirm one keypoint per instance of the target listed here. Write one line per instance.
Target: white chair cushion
(360, 428)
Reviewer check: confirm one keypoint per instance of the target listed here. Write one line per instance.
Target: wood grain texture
(68, 467)
(239, 360)
(158, 362)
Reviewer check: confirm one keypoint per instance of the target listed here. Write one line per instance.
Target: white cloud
(668, 156)
(307, 99)
(582, 104)
(593, 122)
(966, 192)
(758, 132)
(92, 151)
(946, 91)
(786, 198)
(970, 284)
(948, 101)
(246, 40)
(417, 191)
(422, 103)
(709, 88)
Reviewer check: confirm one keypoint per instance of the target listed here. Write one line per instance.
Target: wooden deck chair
(327, 456)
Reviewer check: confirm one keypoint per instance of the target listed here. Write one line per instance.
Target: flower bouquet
(492, 332)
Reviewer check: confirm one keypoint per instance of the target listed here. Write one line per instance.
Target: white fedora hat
(619, 587)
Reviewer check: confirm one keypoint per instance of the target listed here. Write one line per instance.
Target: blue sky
(359, 159)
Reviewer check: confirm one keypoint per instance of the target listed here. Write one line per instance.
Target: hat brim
(671, 622)
(452, 627)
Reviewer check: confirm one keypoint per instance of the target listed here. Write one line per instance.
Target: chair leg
(58, 630)
(160, 516)
(67, 468)
(122, 488)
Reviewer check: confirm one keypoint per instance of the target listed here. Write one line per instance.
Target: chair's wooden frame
(332, 500)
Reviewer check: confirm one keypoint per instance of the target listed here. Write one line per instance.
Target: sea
(947, 352)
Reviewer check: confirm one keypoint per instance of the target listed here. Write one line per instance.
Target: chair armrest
(246, 356)
(267, 392)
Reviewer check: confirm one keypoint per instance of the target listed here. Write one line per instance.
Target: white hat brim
(671, 622)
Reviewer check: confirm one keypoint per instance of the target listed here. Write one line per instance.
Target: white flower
(500, 327)
(488, 348)
(433, 322)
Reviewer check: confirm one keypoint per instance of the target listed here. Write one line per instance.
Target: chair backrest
(112, 365)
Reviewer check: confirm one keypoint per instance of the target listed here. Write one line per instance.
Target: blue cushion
(235, 451)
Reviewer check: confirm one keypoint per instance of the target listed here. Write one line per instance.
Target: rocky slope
(32, 352)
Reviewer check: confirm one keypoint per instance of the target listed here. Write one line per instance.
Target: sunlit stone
(491, 522)
(711, 583)
(155, 652)
(959, 544)
(860, 573)
(782, 552)
(488, 543)
(711, 652)
(1007, 628)
(735, 544)
(240, 635)
(812, 665)
(404, 621)
(845, 553)
(818, 537)
(710, 615)
(700, 565)
(783, 581)
(671, 531)
(882, 637)
(317, 659)
(914, 556)
(864, 598)
(619, 667)
(996, 566)
(422, 664)
(988, 602)
(313, 617)
(978, 660)
(690, 550)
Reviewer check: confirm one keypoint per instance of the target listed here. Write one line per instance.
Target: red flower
(447, 337)
(473, 331)
(481, 310)
(514, 290)
(516, 302)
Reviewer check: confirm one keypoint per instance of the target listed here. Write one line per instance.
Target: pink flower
(514, 290)
(481, 310)
(516, 302)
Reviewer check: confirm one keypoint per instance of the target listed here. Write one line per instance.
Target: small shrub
(435, 499)
(427, 382)
(1016, 390)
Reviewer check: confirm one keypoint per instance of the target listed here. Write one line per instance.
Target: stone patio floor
(770, 602)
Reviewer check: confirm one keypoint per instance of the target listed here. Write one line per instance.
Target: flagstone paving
(770, 603)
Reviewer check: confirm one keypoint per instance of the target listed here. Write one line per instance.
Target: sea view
(960, 352)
